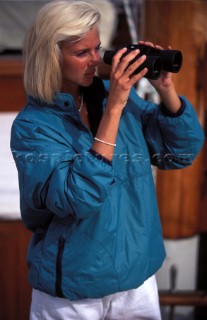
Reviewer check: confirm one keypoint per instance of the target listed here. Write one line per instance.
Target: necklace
(81, 104)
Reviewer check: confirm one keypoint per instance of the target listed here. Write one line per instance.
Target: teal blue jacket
(96, 227)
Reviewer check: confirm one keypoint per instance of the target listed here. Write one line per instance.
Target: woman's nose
(94, 57)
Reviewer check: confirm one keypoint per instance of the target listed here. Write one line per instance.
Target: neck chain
(81, 104)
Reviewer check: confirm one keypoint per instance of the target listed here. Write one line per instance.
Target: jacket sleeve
(53, 177)
(173, 140)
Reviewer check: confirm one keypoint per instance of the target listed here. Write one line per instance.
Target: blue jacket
(96, 223)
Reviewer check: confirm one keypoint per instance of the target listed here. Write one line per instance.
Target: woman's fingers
(126, 66)
(117, 58)
(131, 69)
(158, 47)
(120, 63)
(146, 43)
(150, 44)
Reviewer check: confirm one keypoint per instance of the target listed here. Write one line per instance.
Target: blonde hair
(56, 22)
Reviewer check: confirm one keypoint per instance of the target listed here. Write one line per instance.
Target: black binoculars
(157, 60)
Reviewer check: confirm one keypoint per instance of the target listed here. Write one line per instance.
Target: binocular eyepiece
(157, 60)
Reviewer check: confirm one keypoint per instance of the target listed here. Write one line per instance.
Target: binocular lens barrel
(157, 60)
(154, 66)
(172, 60)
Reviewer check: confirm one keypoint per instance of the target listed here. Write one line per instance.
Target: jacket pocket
(58, 283)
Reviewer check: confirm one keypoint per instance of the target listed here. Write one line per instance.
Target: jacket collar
(94, 96)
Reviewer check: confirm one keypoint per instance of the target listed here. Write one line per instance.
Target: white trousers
(139, 304)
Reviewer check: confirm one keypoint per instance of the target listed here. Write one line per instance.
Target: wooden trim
(13, 96)
(183, 298)
(15, 293)
(11, 67)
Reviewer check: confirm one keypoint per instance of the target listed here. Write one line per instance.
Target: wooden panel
(15, 293)
(203, 98)
(183, 298)
(183, 26)
(11, 84)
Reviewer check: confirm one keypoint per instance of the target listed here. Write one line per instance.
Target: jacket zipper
(58, 285)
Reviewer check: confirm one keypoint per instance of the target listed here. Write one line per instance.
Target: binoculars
(157, 60)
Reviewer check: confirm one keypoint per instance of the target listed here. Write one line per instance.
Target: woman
(84, 149)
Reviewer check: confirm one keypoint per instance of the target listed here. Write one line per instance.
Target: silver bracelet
(105, 142)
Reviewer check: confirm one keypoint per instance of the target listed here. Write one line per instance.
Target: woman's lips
(90, 73)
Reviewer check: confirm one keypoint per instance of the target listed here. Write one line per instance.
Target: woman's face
(79, 61)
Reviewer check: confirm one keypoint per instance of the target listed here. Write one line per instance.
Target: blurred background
(182, 194)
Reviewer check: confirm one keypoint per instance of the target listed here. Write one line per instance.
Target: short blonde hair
(56, 22)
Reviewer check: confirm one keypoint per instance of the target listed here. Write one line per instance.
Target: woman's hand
(165, 79)
(164, 85)
(122, 78)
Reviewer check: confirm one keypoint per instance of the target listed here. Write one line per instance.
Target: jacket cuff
(167, 113)
(100, 157)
